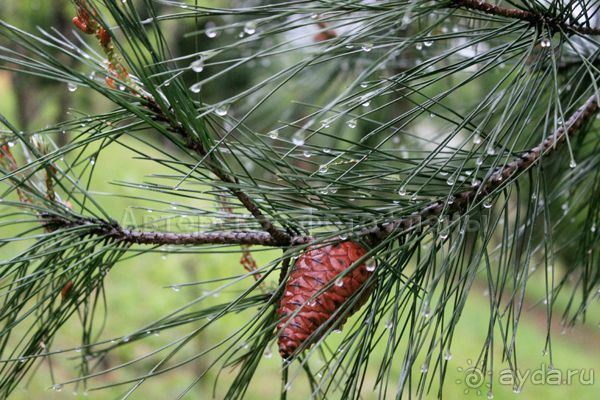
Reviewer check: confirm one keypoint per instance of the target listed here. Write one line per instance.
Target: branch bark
(524, 15)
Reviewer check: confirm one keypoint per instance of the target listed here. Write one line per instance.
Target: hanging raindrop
(545, 42)
(222, 110)
(298, 139)
(196, 87)
(197, 65)
(250, 28)
(367, 47)
(210, 30)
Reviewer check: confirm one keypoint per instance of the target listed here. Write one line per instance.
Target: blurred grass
(137, 293)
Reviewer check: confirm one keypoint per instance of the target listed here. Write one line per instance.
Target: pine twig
(524, 15)
(461, 201)
(495, 181)
(87, 22)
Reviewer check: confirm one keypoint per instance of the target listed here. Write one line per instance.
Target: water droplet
(11, 144)
(419, 46)
(323, 169)
(298, 139)
(351, 123)
(22, 360)
(92, 160)
(268, 353)
(77, 349)
(428, 43)
(250, 28)
(490, 395)
(198, 65)
(326, 150)
(389, 324)
(487, 204)
(516, 389)
(71, 87)
(479, 161)
(337, 330)
(222, 110)
(343, 236)
(572, 164)
(306, 154)
(490, 151)
(339, 282)
(210, 30)
(424, 368)
(196, 87)
(57, 387)
(476, 139)
(402, 191)
(371, 265)
(450, 181)
(176, 288)
(364, 85)
(545, 42)
(366, 103)
(125, 339)
(367, 47)
(274, 134)
(325, 123)
(447, 355)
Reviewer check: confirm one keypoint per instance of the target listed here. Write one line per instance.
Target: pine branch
(280, 237)
(528, 16)
(460, 203)
(88, 23)
(497, 179)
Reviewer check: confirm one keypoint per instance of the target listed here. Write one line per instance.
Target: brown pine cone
(312, 271)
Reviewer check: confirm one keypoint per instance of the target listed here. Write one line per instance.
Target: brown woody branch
(462, 200)
(115, 231)
(527, 16)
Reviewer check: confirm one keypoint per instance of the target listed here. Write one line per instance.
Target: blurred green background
(138, 293)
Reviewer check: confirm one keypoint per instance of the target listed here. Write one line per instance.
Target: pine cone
(312, 271)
